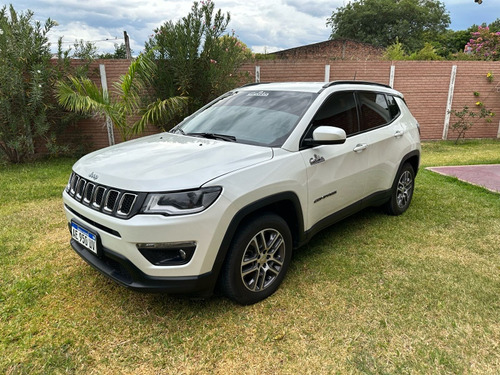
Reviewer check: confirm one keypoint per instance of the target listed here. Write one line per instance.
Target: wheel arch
(413, 158)
(285, 204)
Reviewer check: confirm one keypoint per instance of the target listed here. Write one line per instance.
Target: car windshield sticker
(260, 93)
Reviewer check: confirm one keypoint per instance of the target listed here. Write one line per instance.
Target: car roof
(317, 87)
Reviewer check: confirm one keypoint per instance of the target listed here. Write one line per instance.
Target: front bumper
(123, 271)
(119, 258)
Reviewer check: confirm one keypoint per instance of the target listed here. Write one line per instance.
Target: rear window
(377, 109)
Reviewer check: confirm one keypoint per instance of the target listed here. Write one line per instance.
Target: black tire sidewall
(393, 207)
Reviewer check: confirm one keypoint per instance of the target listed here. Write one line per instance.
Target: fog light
(167, 254)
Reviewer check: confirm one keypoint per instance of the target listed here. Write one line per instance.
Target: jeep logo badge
(93, 176)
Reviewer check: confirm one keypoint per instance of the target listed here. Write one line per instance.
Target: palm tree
(84, 96)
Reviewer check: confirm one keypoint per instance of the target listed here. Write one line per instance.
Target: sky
(263, 25)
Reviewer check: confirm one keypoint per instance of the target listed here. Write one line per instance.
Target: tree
(397, 52)
(382, 22)
(29, 112)
(24, 82)
(120, 52)
(195, 58)
(84, 50)
(81, 95)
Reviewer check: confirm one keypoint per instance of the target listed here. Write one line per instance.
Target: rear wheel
(257, 260)
(402, 191)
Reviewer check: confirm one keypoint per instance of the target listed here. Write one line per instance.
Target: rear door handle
(360, 147)
(398, 133)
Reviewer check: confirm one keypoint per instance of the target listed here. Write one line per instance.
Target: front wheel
(402, 191)
(257, 260)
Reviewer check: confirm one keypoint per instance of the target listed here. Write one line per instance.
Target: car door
(336, 173)
(378, 114)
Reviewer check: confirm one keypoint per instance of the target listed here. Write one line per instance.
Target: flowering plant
(490, 77)
(484, 44)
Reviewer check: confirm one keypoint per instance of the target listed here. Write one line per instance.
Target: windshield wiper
(223, 137)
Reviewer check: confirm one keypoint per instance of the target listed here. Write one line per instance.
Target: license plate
(84, 237)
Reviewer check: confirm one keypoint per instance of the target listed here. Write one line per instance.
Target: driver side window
(338, 110)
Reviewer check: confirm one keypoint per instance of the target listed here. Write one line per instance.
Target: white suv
(224, 197)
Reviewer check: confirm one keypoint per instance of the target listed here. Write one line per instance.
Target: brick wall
(425, 85)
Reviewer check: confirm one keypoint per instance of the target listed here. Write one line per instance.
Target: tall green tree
(384, 22)
(196, 57)
(24, 82)
(29, 113)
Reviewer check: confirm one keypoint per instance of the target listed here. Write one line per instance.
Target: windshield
(255, 117)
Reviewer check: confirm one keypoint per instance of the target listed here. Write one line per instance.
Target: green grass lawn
(414, 294)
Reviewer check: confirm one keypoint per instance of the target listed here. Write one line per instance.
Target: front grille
(120, 203)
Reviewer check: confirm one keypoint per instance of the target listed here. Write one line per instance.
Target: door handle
(360, 147)
(398, 133)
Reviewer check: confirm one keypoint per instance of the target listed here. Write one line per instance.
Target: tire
(257, 260)
(402, 191)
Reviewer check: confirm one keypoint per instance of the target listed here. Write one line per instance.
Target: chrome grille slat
(98, 196)
(80, 187)
(102, 198)
(89, 192)
(74, 182)
(126, 203)
(111, 199)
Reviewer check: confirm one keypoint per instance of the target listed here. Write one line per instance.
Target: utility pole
(127, 45)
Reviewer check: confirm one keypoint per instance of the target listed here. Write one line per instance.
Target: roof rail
(333, 83)
(254, 83)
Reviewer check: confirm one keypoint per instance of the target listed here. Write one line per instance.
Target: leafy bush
(466, 119)
(397, 52)
(81, 95)
(195, 58)
(24, 82)
(28, 110)
(484, 44)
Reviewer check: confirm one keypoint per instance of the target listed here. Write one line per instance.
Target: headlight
(181, 203)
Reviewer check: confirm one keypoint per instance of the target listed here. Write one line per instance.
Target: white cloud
(261, 24)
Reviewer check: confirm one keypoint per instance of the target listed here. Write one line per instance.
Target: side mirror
(326, 135)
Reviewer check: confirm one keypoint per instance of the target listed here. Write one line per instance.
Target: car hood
(166, 162)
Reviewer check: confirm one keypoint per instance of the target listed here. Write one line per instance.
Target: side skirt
(374, 200)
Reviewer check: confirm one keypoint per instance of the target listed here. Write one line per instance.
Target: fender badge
(93, 176)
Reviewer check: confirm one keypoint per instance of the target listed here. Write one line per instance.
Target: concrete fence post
(257, 73)
(109, 123)
(392, 75)
(449, 103)
(327, 73)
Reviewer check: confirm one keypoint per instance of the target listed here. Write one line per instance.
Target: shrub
(24, 82)
(484, 44)
(466, 118)
(195, 58)
(28, 110)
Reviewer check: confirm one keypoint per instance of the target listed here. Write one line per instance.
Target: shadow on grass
(328, 243)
